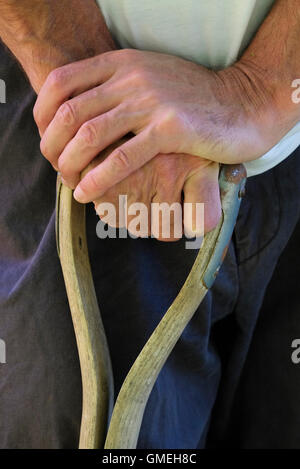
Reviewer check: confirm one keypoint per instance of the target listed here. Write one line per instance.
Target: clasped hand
(183, 120)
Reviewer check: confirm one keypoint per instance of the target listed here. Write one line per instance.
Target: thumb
(202, 187)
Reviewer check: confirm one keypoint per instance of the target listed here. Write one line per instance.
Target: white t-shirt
(212, 33)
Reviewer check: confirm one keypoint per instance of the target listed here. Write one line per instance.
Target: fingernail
(79, 194)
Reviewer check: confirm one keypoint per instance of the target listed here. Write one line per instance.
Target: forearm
(272, 63)
(44, 35)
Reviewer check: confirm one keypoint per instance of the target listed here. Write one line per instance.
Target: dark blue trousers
(230, 380)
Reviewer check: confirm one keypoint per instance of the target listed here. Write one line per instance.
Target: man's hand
(177, 182)
(170, 104)
(44, 35)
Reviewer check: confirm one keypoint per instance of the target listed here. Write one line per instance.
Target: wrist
(43, 37)
(260, 103)
(275, 84)
(38, 58)
(271, 65)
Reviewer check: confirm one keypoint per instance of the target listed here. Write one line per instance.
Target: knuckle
(171, 119)
(45, 150)
(106, 58)
(88, 134)
(153, 98)
(37, 114)
(67, 114)
(128, 54)
(90, 183)
(121, 112)
(69, 174)
(57, 78)
(121, 161)
(156, 136)
(63, 168)
(153, 131)
(168, 126)
(141, 77)
(132, 77)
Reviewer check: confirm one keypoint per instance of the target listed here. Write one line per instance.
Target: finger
(122, 162)
(91, 139)
(202, 187)
(72, 114)
(139, 218)
(131, 199)
(70, 80)
(122, 208)
(167, 215)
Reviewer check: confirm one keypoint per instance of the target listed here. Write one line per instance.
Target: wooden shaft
(132, 399)
(97, 378)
